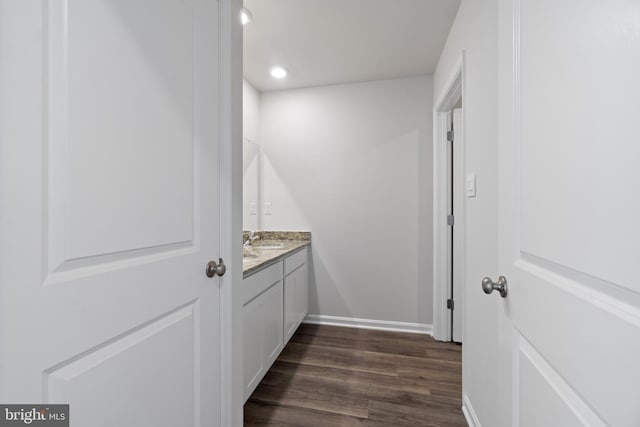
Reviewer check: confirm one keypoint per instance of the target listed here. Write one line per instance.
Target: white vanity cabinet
(275, 303)
(295, 292)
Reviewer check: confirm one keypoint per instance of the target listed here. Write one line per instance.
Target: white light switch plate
(470, 185)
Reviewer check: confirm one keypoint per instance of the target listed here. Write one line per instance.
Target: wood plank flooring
(333, 376)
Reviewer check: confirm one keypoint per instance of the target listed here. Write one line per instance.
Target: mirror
(250, 185)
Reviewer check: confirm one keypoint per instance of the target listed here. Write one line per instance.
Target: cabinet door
(273, 324)
(301, 293)
(262, 336)
(290, 306)
(295, 300)
(253, 337)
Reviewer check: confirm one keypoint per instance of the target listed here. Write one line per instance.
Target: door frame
(230, 143)
(442, 272)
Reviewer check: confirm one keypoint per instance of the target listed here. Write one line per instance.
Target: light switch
(253, 209)
(267, 208)
(470, 185)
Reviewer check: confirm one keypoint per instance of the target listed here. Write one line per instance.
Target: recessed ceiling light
(278, 72)
(245, 16)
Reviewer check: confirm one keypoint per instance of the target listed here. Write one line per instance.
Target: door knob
(216, 269)
(489, 286)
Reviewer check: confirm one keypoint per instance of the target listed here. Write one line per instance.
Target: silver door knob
(489, 286)
(216, 268)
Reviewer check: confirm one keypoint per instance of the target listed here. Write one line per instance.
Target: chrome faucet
(250, 239)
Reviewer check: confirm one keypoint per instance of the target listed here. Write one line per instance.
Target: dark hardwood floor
(333, 376)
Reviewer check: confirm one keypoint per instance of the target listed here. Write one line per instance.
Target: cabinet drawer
(294, 261)
(257, 283)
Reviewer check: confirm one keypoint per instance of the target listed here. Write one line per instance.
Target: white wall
(352, 164)
(475, 31)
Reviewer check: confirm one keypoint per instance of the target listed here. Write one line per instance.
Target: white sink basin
(270, 245)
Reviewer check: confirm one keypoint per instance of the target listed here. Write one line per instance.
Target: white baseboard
(380, 325)
(469, 413)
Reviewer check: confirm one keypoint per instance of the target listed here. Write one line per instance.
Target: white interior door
(110, 209)
(458, 229)
(448, 235)
(569, 232)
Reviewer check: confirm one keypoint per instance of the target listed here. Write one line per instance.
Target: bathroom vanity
(274, 295)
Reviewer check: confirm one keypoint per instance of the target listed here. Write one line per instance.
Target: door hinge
(450, 135)
(450, 220)
(450, 304)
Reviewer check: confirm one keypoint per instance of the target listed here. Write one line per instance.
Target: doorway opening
(449, 223)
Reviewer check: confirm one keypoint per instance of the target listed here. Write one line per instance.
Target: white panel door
(569, 209)
(449, 245)
(457, 229)
(110, 209)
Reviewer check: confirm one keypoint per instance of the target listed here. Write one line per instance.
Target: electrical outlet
(267, 208)
(253, 209)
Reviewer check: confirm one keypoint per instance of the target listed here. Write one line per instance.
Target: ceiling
(323, 42)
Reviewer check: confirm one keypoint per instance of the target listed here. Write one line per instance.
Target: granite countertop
(271, 247)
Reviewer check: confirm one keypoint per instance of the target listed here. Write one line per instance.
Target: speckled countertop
(255, 258)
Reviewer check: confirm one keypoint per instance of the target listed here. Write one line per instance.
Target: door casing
(442, 271)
